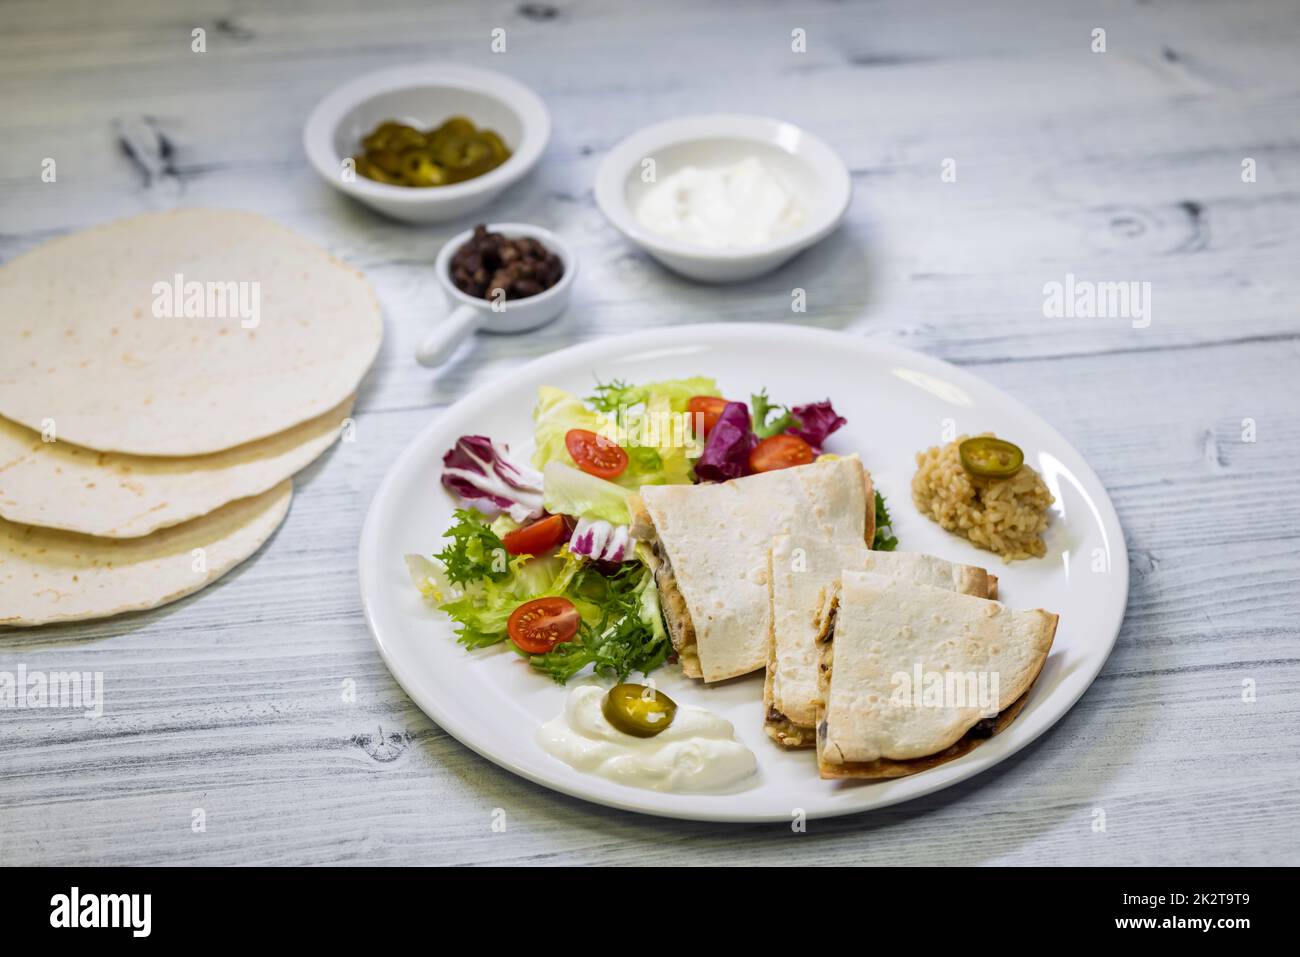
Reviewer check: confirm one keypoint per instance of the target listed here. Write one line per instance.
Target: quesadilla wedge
(804, 582)
(710, 546)
(912, 676)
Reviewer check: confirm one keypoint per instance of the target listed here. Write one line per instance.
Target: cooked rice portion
(1005, 516)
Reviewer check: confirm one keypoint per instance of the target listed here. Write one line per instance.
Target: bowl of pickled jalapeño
(427, 143)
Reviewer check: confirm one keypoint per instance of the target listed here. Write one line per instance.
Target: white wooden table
(1117, 166)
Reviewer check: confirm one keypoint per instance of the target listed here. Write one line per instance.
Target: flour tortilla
(905, 568)
(716, 539)
(48, 575)
(881, 629)
(804, 581)
(83, 349)
(60, 485)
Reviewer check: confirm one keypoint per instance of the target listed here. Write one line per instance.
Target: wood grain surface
(1117, 166)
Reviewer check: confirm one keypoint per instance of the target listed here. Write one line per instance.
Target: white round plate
(897, 403)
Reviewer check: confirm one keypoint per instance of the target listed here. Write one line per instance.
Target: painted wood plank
(1117, 166)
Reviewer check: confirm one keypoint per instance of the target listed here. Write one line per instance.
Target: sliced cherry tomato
(535, 538)
(539, 625)
(595, 454)
(779, 452)
(709, 406)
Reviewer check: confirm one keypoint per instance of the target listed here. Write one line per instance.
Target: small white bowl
(424, 95)
(470, 314)
(818, 177)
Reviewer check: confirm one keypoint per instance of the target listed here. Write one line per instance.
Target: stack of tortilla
(161, 379)
(888, 663)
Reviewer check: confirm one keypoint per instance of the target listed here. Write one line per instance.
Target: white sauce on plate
(697, 752)
(724, 207)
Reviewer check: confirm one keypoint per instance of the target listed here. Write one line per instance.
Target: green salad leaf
(483, 607)
(677, 393)
(612, 395)
(475, 552)
(649, 421)
(884, 540)
(762, 409)
(621, 628)
(570, 491)
(554, 415)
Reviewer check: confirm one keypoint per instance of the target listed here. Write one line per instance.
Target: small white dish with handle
(470, 314)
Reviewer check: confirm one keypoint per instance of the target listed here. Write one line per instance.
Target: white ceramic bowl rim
(557, 245)
(534, 120)
(824, 162)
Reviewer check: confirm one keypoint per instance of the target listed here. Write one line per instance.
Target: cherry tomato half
(595, 454)
(709, 406)
(539, 625)
(535, 538)
(779, 452)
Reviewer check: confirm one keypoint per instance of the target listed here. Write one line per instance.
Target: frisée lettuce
(676, 393)
(478, 585)
(622, 628)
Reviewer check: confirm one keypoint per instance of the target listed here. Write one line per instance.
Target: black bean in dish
(519, 266)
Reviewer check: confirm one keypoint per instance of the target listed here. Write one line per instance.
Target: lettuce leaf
(621, 628)
(648, 421)
(474, 552)
(429, 577)
(764, 425)
(554, 415)
(884, 540)
(570, 491)
(677, 393)
(483, 607)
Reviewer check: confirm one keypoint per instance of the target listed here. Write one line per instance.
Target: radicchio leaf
(817, 420)
(726, 453)
(481, 472)
(600, 540)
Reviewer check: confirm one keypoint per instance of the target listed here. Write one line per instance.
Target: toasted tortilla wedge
(909, 568)
(710, 553)
(890, 646)
(885, 769)
(804, 577)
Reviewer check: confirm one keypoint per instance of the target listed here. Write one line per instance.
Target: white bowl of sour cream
(723, 197)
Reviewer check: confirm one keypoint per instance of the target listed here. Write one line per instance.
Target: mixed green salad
(542, 555)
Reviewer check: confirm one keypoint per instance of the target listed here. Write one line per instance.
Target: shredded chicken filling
(680, 627)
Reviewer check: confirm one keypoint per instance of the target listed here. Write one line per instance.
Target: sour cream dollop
(731, 206)
(697, 752)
